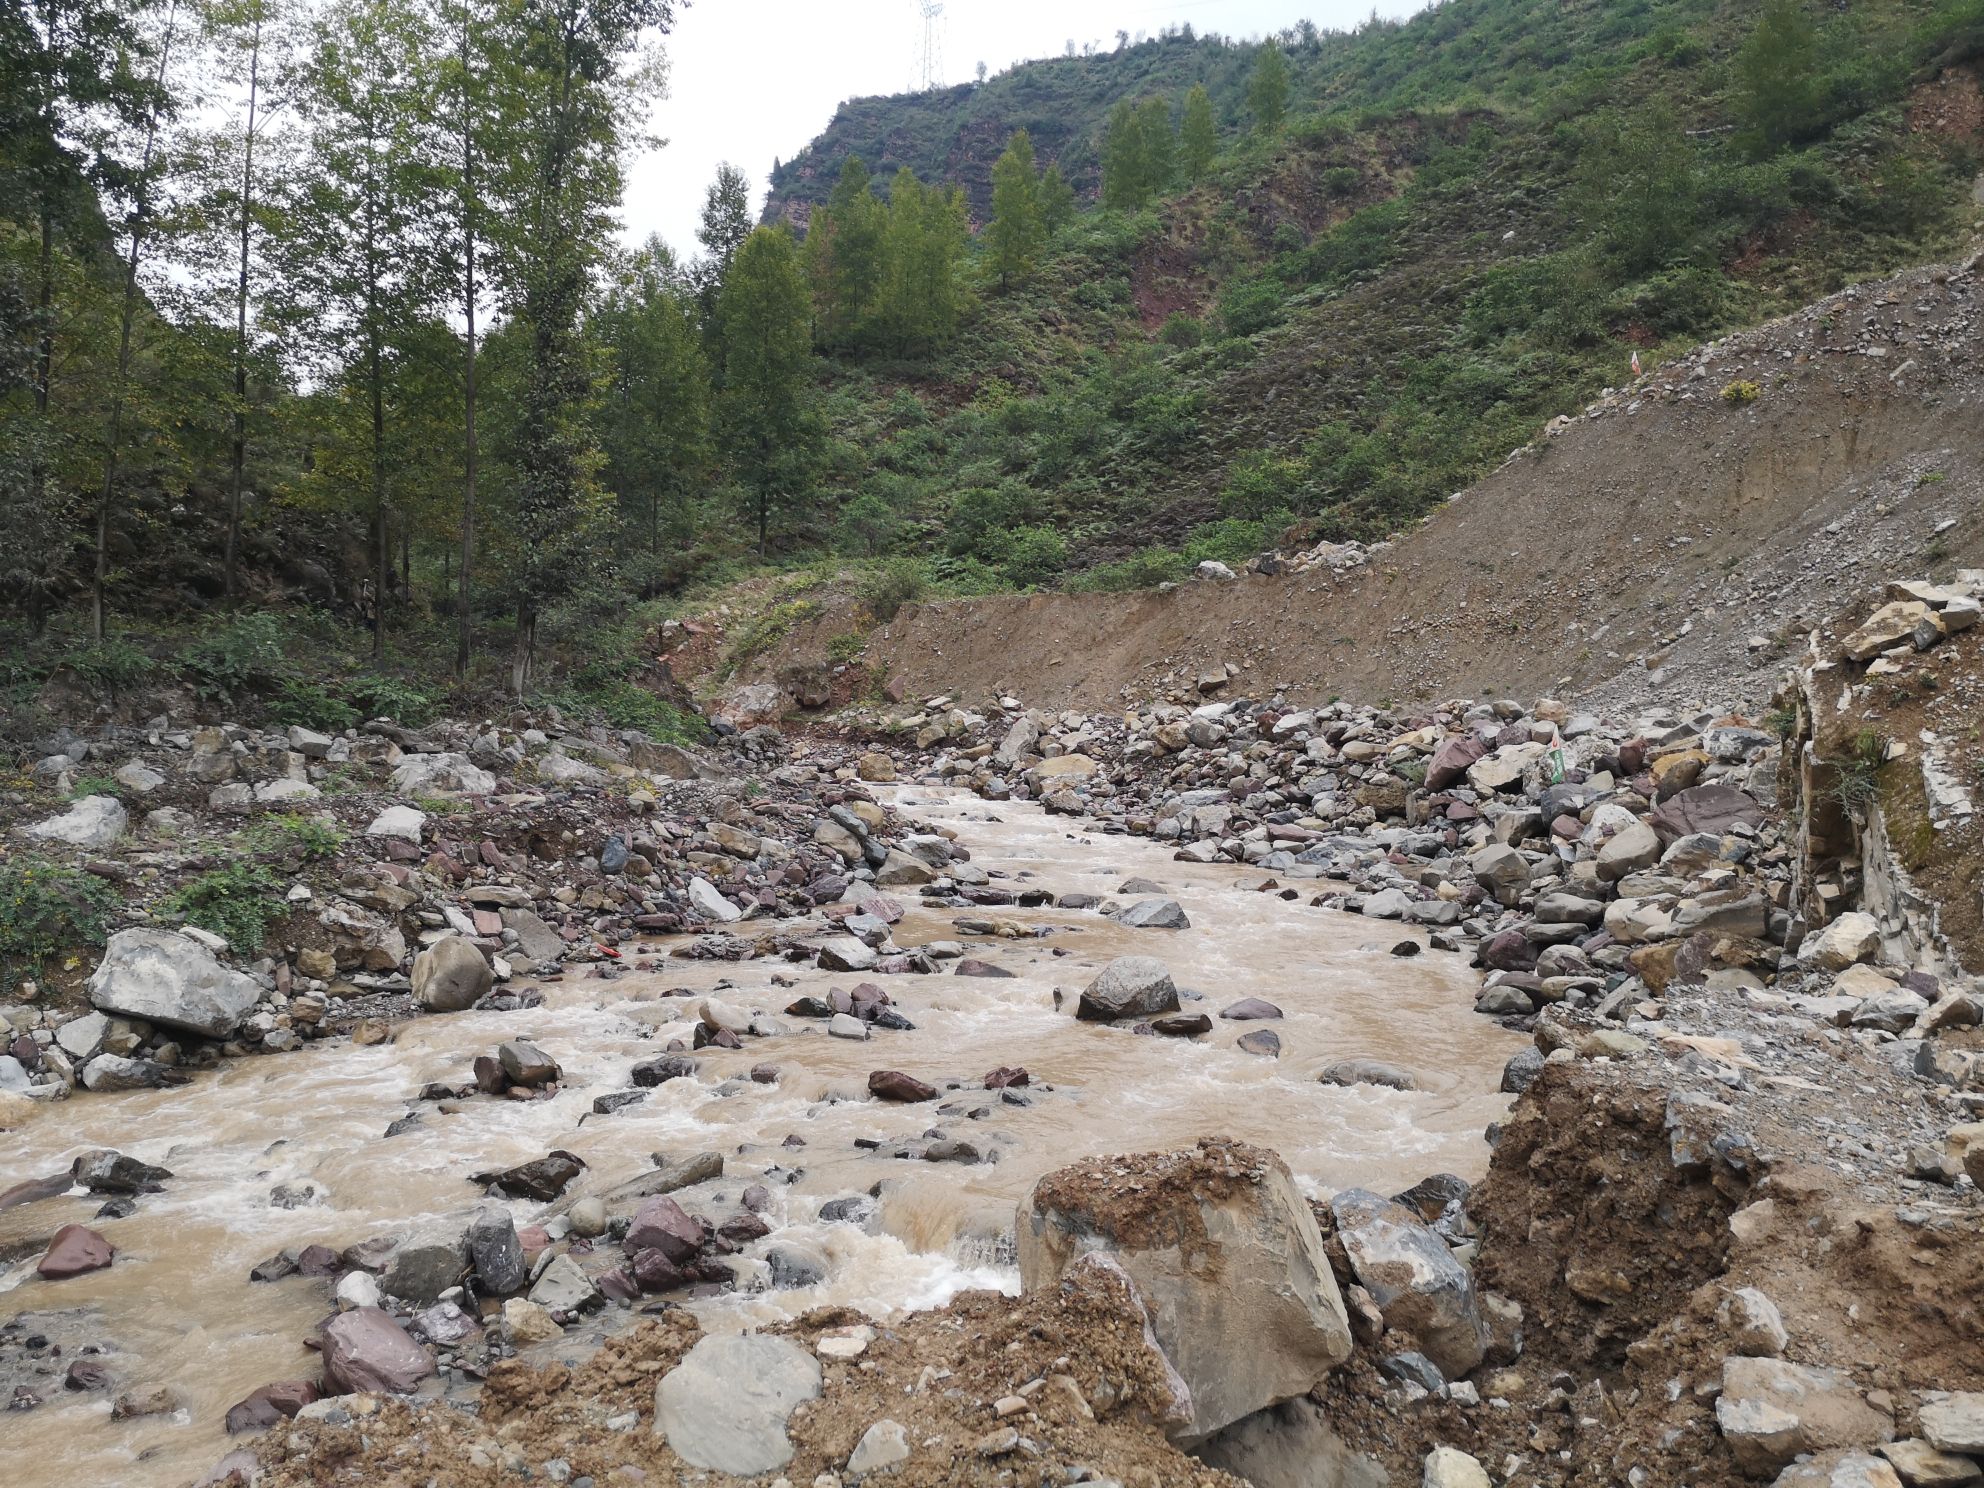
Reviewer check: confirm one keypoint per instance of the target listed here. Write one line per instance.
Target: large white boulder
(164, 977)
(94, 821)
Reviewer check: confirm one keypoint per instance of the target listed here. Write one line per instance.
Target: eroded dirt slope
(1671, 537)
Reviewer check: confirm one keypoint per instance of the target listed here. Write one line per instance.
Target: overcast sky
(754, 80)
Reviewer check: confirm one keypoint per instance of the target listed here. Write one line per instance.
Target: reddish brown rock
(1006, 1075)
(75, 1250)
(894, 1085)
(662, 1224)
(367, 1352)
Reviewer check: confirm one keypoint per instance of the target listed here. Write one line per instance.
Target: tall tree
(656, 424)
(240, 25)
(1057, 200)
(1123, 159)
(466, 99)
(1017, 230)
(844, 253)
(764, 316)
(360, 258)
(1267, 90)
(922, 249)
(1776, 92)
(573, 105)
(75, 77)
(725, 224)
(143, 203)
(1200, 136)
(1158, 144)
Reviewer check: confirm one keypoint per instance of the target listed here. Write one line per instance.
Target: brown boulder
(894, 1085)
(664, 1225)
(75, 1250)
(367, 1352)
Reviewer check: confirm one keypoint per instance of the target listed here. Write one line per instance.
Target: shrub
(238, 903)
(46, 909)
(1144, 570)
(378, 696)
(1033, 556)
(112, 665)
(311, 836)
(94, 785)
(885, 590)
(1247, 306)
(308, 705)
(847, 646)
(1182, 331)
(1740, 392)
(244, 655)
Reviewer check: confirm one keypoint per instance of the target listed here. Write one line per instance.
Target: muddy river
(177, 1308)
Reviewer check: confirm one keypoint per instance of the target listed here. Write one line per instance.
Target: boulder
(1841, 1470)
(562, 1287)
(883, 1447)
(1129, 987)
(1851, 938)
(662, 1224)
(1414, 1279)
(171, 979)
(1889, 626)
(1627, 851)
(406, 823)
(894, 1085)
(526, 1064)
(1448, 1467)
(724, 1407)
(1753, 1323)
(1225, 1254)
(1710, 810)
(1291, 1445)
(1771, 1411)
(425, 1265)
(440, 774)
(92, 822)
(708, 901)
(496, 1252)
(1368, 1072)
(1921, 1466)
(1155, 914)
(1955, 1423)
(450, 976)
(75, 1251)
(367, 1352)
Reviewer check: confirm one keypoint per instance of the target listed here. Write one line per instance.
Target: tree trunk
(464, 626)
(521, 658)
(381, 549)
(140, 210)
(239, 462)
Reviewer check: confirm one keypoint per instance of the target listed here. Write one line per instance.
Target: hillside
(1472, 223)
(1666, 543)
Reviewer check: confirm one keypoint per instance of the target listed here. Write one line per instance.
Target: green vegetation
(308, 837)
(237, 902)
(1229, 295)
(46, 910)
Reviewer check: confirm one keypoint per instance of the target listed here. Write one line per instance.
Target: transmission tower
(930, 59)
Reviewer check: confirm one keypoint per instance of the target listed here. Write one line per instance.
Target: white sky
(751, 80)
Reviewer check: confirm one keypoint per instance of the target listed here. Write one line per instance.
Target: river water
(179, 1311)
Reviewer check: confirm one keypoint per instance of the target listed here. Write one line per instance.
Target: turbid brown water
(179, 1310)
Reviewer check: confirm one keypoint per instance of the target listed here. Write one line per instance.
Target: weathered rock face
(1415, 1280)
(450, 976)
(1129, 987)
(366, 1351)
(1226, 1256)
(724, 1407)
(167, 978)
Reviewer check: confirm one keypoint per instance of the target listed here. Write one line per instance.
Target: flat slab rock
(724, 1407)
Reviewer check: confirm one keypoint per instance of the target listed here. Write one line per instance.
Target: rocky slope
(1680, 540)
